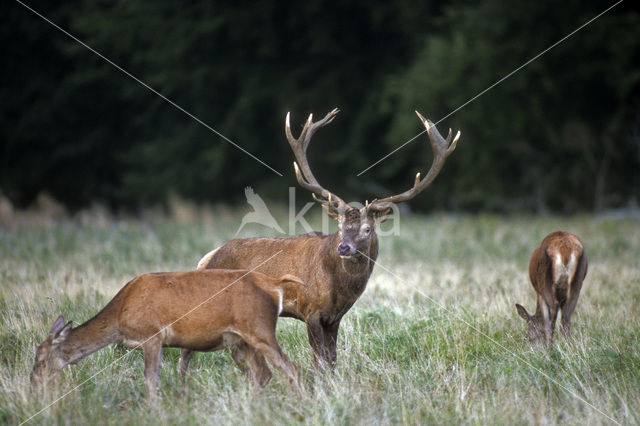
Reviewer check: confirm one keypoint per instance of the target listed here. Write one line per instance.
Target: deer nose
(346, 249)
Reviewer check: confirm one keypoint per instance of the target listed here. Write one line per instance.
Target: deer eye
(366, 229)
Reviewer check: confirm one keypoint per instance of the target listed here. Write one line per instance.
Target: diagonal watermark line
(151, 337)
(507, 350)
(127, 73)
(495, 84)
(395, 150)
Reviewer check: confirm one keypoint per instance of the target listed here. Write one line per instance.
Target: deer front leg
(331, 343)
(543, 316)
(549, 313)
(315, 332)
(152, 356)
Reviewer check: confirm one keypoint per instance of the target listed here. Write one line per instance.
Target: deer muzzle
(346, 249)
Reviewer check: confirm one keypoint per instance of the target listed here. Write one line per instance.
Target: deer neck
(89, 337)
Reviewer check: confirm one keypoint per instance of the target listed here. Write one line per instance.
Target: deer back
(328, 285)
(300, 256)
(195, 303)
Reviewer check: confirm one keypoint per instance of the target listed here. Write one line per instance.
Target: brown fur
(335, 268)
(153, 310)
(332, 284)
(557, 268)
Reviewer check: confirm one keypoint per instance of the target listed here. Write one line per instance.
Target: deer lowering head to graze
(196, 310)
(557, 268)
(334, 267)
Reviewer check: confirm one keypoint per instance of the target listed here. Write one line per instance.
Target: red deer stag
(196, 310)
(557, 268)
(336, 267)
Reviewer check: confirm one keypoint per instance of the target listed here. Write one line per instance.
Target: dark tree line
(562, 134)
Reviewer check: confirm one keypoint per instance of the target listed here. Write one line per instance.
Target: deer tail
(563, 273)
(292, 278)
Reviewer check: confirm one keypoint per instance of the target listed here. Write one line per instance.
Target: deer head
(356, 227)
(50, 359)
(535, 332)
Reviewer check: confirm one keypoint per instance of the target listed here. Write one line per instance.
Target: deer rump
(558, 275)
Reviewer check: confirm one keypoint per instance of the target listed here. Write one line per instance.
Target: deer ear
(332, 212)
(377, 215)
(523, 312)
(61, 335)
(57, 326)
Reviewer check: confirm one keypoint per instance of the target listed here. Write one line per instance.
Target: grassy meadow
(435, 338)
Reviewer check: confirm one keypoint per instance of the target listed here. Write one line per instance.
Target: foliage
(555, 135)
(562, 134)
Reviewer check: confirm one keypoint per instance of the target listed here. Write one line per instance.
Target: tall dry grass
(434, 339)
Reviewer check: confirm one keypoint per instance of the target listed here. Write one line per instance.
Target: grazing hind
(557, 268)
(197, 310)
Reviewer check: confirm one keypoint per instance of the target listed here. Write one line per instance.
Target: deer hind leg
(567, 311)
(565, 324)
(152, 357)
(271, 350)
(252, 363)
(572, 299)
(183, 364)
(553, 314)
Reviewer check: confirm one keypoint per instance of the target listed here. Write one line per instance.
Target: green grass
(434, 339)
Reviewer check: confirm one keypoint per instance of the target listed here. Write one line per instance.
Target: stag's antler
(329, 200)
(442, 148)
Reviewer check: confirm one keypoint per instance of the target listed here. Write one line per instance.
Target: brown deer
(557, 268)
(334, 267)
(197, 310)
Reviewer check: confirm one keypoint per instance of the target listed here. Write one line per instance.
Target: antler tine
(304, 175)
(441, 147)
(438, 143)
(309, 128)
